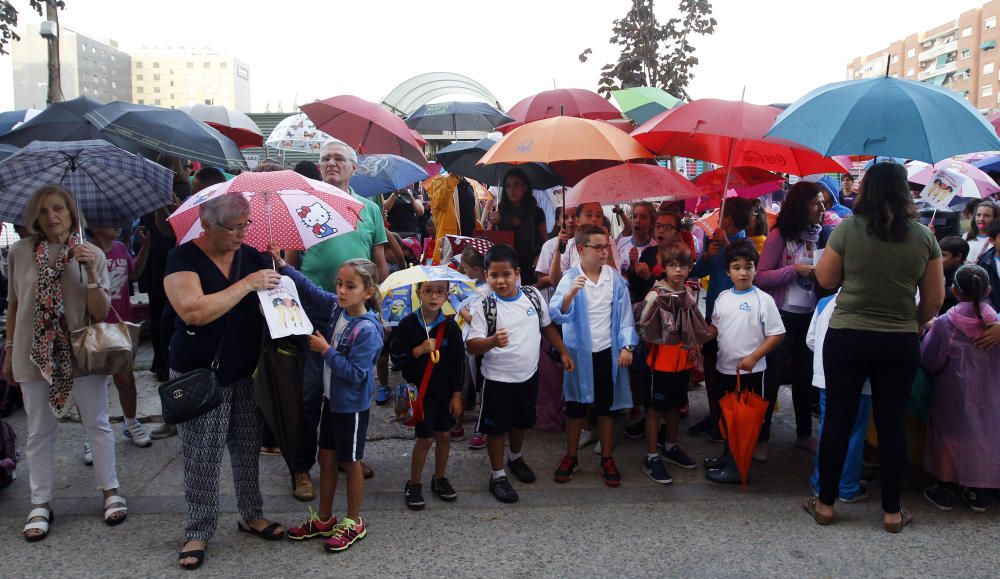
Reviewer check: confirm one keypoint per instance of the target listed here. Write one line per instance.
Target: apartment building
(171, 77)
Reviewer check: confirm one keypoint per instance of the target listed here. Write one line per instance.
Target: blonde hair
(366, 270)
(34, 207)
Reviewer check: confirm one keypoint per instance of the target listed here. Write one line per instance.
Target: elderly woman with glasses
(210, 282)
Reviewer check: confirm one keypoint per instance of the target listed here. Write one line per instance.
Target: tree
(653, 54)
(8, 21)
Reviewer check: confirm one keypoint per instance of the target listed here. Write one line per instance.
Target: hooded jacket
(831, 186)
(988, 262)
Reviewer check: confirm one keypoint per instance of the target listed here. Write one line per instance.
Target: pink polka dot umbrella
(286, 208)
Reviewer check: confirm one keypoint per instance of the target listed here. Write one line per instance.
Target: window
(138, 77)
(95, 92)
(93, 50)
(114, 72)
(967, 32)
(966, 53)
(895, 58)
(171, 83)
(114, 84)
(83, 47)
(156, 65)
(156, 89)
(142, 102)
(85, 90)
(990, 22)
(190, 65)
(112, 58)
(139, 90)
(909, 71)
(138, 64)
(223, 65)
(156, 102)
(989, 67)
(206, 64)
(208, 101)
(986, 91)
(911, 52)
(156, 77)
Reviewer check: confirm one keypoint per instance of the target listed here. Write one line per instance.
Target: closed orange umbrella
(742, 415)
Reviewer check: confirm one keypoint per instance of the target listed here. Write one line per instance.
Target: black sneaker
(609, 469)
(636, 430)
(443, 489)
(414, 496)
(501, 489)
(703, 427)
(567, 466)
(676, 455)
(939, 496)
(975, 499)
(521, 470)
(716, 463)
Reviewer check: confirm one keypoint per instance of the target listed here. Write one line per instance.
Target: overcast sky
(302, 50)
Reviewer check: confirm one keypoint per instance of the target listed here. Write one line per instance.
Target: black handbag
(197, 391)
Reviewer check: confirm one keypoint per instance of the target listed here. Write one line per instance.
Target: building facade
(87, 67)
(174, 77)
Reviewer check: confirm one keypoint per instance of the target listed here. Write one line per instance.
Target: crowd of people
(605, 317)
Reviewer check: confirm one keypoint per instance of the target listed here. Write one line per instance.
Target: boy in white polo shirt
(506, 329)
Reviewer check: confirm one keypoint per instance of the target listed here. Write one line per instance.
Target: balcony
(931, 71)
(938, 49)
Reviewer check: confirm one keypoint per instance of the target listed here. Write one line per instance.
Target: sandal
(267, 533)
(43, 526)
(905, 519)
(110, 510)
(809, 506)
(198, 554)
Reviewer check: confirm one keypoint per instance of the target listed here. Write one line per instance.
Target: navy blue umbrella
(378, 174)
(11, 119)
(460, 159)
(456, 116)
(7, 151)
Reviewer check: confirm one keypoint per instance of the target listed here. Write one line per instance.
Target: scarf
(51, 350)
(805, 246)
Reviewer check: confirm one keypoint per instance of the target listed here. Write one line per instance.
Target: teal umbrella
(644, 102)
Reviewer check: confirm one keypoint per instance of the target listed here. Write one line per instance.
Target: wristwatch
(629, 348)
(98, 285)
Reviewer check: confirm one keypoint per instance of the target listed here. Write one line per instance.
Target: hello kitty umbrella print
(293, 211)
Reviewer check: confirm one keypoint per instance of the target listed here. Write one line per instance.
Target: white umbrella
(297, 133)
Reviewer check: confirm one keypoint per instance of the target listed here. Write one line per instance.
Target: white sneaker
(138, 435)
(586, 437)
(88, 454)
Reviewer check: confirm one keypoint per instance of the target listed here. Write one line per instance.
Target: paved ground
(691, 528)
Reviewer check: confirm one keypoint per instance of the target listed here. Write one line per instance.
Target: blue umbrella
(111, 186)
(460, 159)
(988, 164)
(378, 174)
(7, 151)
(896, 160)
(456, 116)
(11, 119)
(64, 121)
(886, 116)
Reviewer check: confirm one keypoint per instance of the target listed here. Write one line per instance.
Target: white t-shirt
(518, 361)
(977, 247)
(814, 339)
(625, 245)
(572, 256)
(549, 249)
(337, 331)
(744, 320)
(600, 296)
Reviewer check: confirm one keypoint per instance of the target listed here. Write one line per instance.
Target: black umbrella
(460, 158)
(169, 131)
(456, 116)
(11, 119)
(277, 386)
(7, 151)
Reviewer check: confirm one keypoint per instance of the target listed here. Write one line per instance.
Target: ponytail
(972, 282)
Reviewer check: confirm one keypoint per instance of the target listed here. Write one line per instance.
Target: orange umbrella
(742, 417)
(564, 139)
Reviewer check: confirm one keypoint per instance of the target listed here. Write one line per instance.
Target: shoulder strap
(234, 275)
(535, 300)
(425, 380)
(490, 313)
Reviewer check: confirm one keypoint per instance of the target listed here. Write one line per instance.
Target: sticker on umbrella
(944, 191)
(283, 310)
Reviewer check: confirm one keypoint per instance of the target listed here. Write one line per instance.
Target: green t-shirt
(880, 278)
(321, 262)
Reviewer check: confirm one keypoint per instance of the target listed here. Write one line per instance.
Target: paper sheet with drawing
(283, 310)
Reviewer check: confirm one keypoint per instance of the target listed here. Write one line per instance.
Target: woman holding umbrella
(519, 212)
(58, 283)
(211, 282)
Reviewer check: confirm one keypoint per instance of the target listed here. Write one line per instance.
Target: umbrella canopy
(988, 164)
(631, 182)
(570, 102)
(886, 116)
(364, 125)
(460, 159)
(644, 102)
(399, 291)
(743, 413)
(63, 121)
(233, 124)
(378, 174)
(277, 383)
(10, 120)
(983, 183)
(286, 208)
(749, 179)
(456, 116)
(111, 186)
(7, 151)
(297, 133)
(730, 133)
(168, 131)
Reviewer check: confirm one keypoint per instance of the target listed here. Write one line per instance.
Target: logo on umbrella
(317, 218)
(526, 146)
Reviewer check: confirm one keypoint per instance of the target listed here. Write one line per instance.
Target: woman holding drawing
(211, 283)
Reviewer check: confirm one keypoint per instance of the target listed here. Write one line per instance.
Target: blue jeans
(312, 406)
(851, 476)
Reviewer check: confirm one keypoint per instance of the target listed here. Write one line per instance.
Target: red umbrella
(570, 102)
(364, 125)
(994, 120)
(631, 182)
(745, 182)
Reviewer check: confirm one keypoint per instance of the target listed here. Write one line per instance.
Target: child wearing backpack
(506, 329)
(349, 355)
(592, 304)
(427, 341)
(963, 432)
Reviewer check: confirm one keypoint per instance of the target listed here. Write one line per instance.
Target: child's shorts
(669, 390)
(436, 417)
(754, 382)
(508, 405)
(343, 432)
(604, 389)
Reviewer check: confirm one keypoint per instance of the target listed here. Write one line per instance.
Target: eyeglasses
(339, 159)
(433, 291)
(665, 226)
(599, 247)
(237, 227)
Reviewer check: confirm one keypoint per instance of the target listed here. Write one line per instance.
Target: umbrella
(7, 151)
(631, 182)
(747, 181)
(886, 116)
(743, 415)
(399, 291)
(111, 186)
(570, 102)
(456, 116)
(710, 222)
(460, 159)
(277, 382)
(644, 102)
(285, 208)
(233, 124)
(168, 131)
(364, 125)
(982, 182)
(378, 174)
(10, 120)
(66, 121)
(297, 133)
(949, 185)
(988, 164)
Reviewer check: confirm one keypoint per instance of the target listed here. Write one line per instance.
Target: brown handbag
(106, 348)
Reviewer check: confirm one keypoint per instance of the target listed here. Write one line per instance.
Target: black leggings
(791, 362)
(889, 360)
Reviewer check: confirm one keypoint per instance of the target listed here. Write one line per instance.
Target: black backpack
(490, 308)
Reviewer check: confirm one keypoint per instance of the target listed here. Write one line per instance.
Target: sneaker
(163, 431)
(312, 528)
(138, 435)
(760, 451)
(862, 494)
(597, 448)
(345, 534)
(636, 431)
(586, 437)
(443, 489)
(458, 433)
(88, 454)
(974, 499)
(501, 489)
(609, 469)
(676, 455)
(413, 493)
(702, 427)
(939, 496)
(521, 470)
(382, 395)
(477, 442)
(567, 466)
(654, 469)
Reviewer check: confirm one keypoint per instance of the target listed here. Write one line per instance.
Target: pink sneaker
(477, 442)
(313, 527)
(458, 432)
(345, 534)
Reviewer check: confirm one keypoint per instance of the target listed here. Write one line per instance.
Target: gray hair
(351, 153)
(224, 208)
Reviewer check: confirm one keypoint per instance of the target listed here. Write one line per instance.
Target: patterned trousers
(203, 441)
